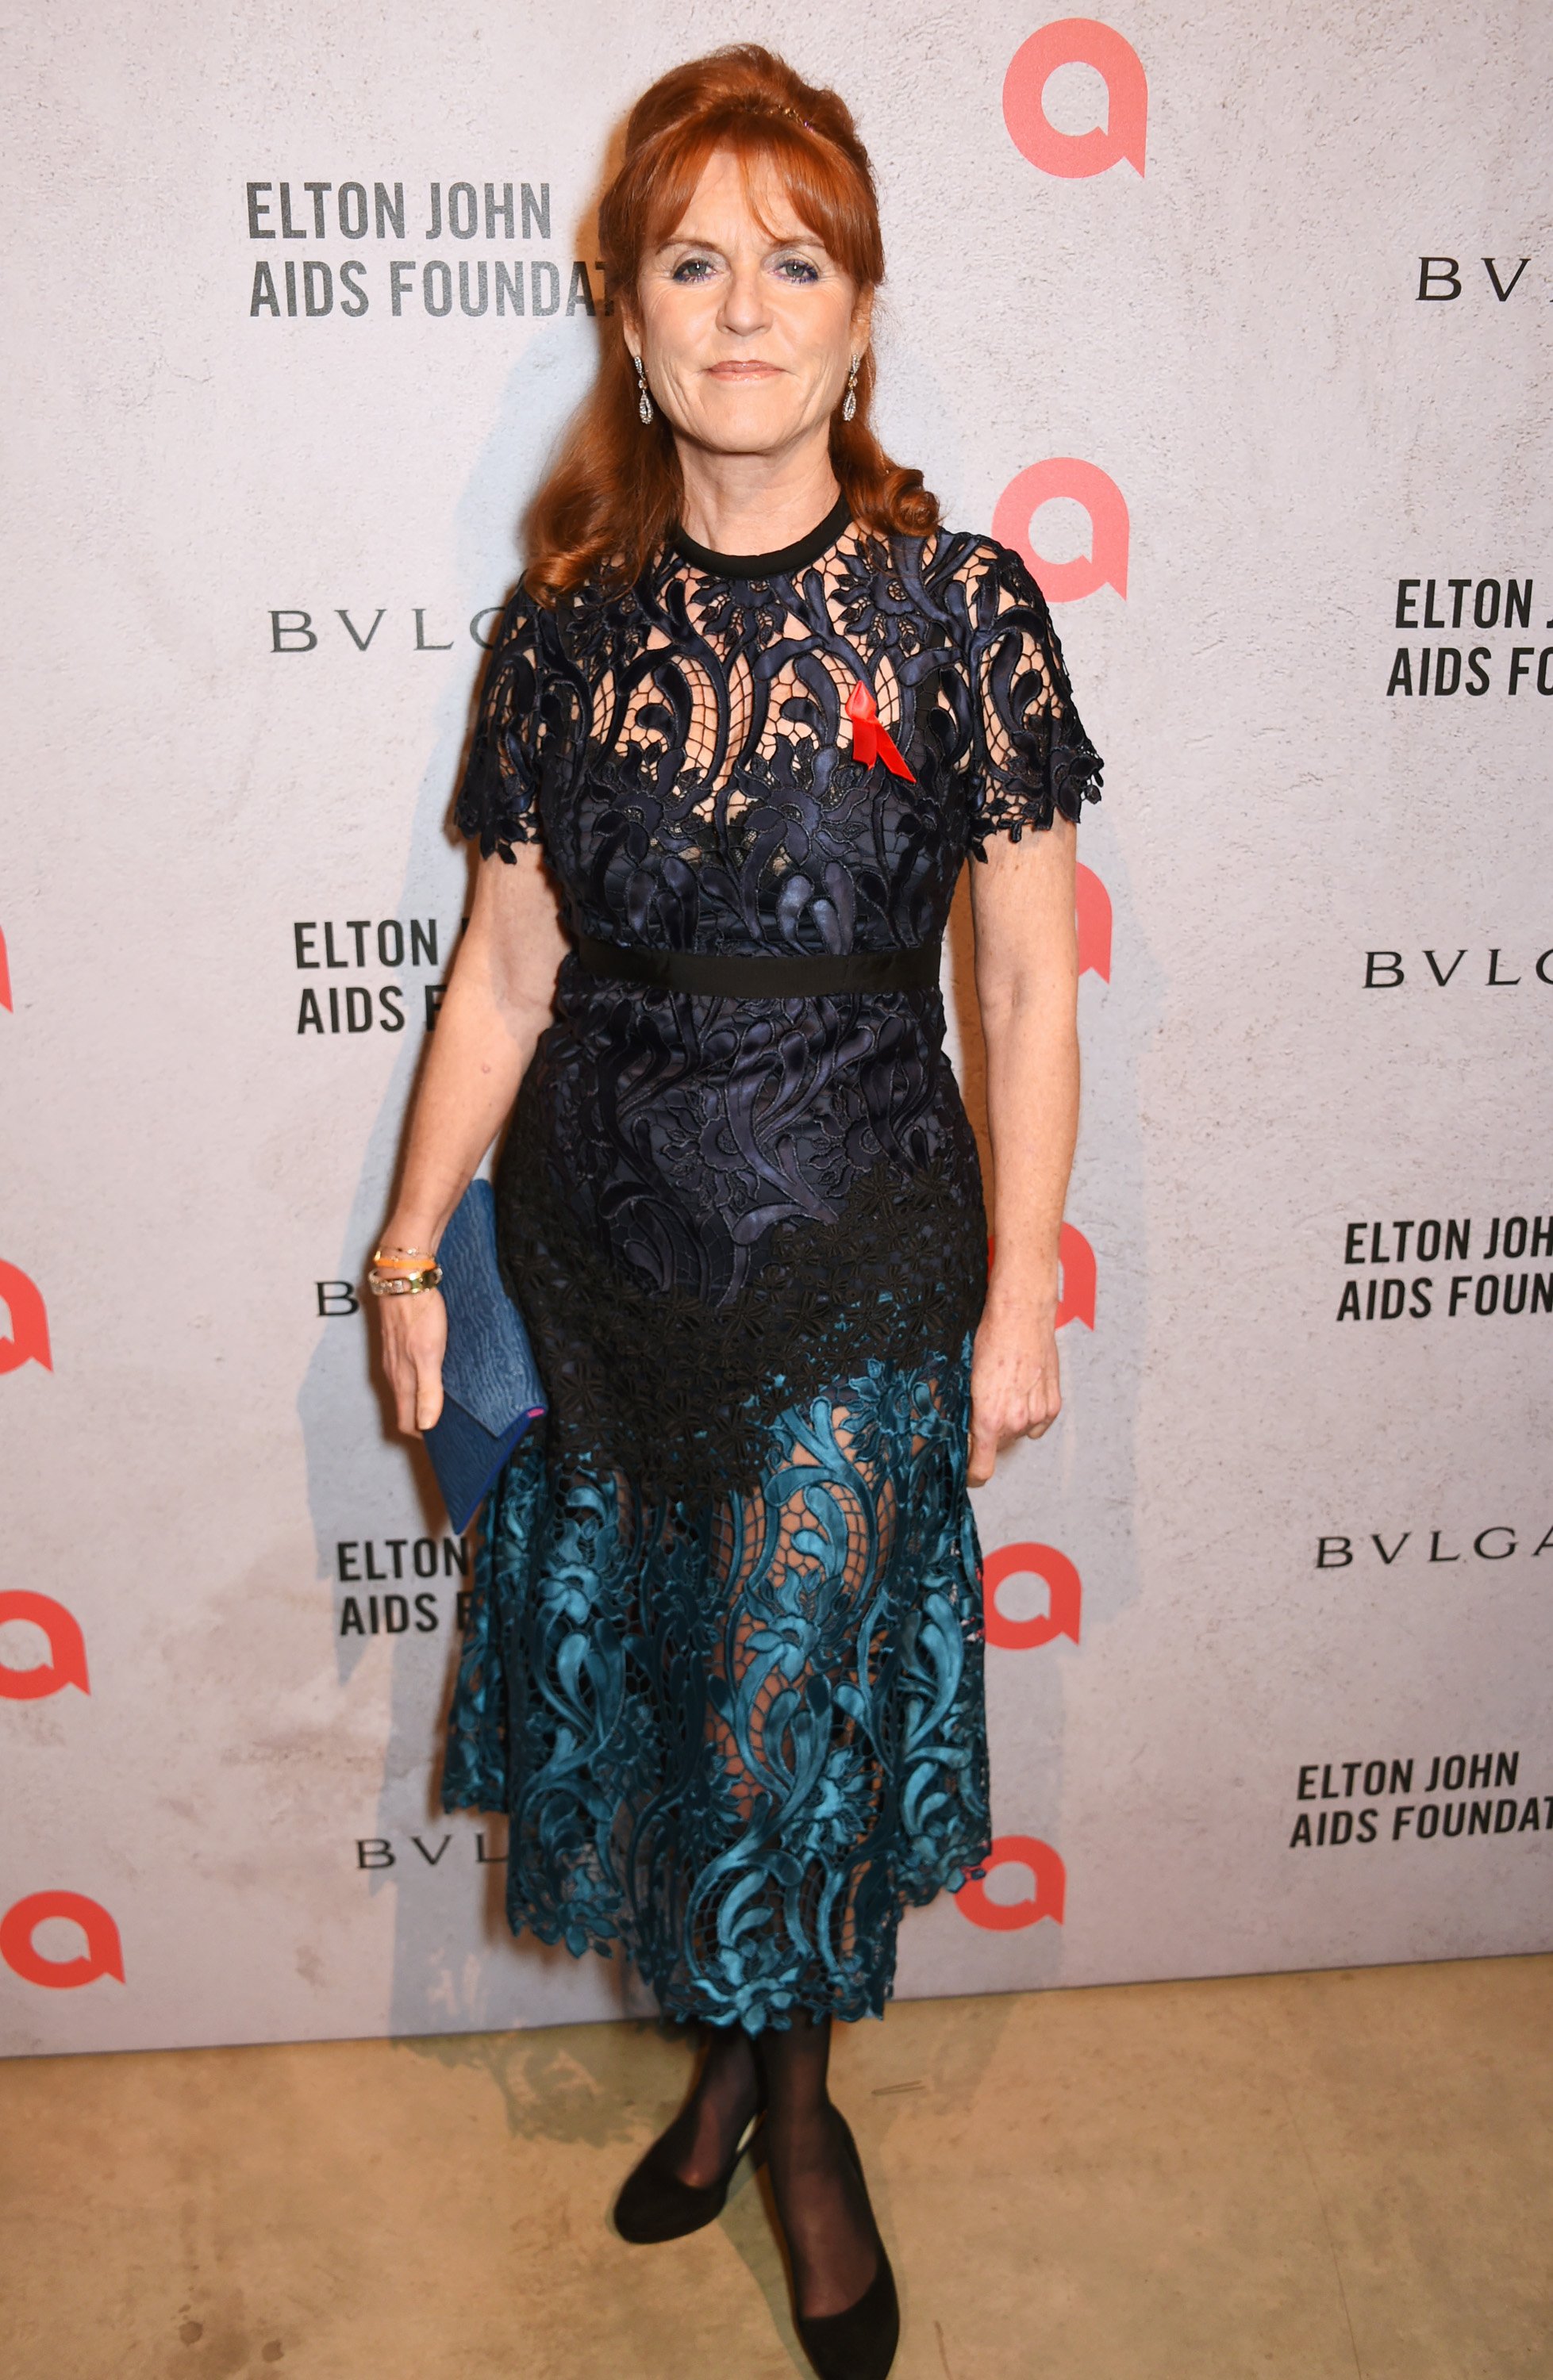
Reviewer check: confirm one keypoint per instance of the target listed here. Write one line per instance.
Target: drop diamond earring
(643, 401)
(848, 404)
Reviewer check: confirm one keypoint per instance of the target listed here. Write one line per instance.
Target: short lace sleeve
(496, 796)
(1034, 758)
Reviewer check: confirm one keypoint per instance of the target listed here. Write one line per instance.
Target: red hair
(616, 489)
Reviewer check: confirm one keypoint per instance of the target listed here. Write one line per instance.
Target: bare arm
(496, 1006)
(1027, 972)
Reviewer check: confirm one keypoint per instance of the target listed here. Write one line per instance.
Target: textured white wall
(1234, 337)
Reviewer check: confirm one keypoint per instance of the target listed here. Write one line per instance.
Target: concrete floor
(1314, 2177)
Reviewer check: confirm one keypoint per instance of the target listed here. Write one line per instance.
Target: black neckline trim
(779, 564)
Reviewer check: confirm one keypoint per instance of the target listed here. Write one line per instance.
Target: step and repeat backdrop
(1237, 324)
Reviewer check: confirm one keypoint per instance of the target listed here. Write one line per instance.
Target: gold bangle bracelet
(404, 1284)
(403, 1256)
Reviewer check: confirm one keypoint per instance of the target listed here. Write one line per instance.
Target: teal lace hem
(736, 1739)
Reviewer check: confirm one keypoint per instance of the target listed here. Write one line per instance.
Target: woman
(746, 716)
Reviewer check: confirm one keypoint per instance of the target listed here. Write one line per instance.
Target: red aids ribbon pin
(870, 743)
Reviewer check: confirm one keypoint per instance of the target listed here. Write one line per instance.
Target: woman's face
(747, 329)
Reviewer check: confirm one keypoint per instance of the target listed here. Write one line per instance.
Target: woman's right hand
(498, 1002)
(414, 1342)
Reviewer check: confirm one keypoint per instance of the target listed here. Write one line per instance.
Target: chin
(746, 421)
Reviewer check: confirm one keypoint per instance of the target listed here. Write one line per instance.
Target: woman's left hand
(1016, 1385)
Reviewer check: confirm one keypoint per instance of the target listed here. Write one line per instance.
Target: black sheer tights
(820, 2200)
(725, 2097)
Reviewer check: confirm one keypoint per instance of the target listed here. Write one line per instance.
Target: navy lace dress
(724, 1664)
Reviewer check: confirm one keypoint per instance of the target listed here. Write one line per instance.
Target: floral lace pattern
(724, 1671)
(683, 749)
(676, 1305)
(736, 1741)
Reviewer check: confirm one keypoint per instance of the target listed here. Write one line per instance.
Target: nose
(744, 311)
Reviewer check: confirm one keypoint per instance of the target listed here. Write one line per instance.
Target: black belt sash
(767, 976)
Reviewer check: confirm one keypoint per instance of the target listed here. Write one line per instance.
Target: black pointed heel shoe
(655, 2204)
(859, 2342)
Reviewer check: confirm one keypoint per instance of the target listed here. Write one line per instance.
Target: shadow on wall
(455, 1964)
(357, 1465)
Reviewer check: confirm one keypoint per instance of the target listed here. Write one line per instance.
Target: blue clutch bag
(490, 1387)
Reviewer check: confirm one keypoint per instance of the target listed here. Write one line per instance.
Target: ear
(863, 320)
(630, 325)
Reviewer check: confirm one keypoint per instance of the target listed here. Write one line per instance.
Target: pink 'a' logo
(1093, 905)
(1076, 1261)
(67, 1663)
(1077, 41)
(29, 1341)
(105, 1953)
(1050, 1897)
(1064, 1596)
(1109, 529)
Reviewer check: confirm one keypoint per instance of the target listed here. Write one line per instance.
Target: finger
(402, 1387)
(428, 1397)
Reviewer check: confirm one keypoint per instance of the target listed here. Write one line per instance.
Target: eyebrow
(804, 239)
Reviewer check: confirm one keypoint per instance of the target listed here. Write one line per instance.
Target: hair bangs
(823, 189)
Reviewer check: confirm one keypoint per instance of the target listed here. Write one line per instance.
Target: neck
(755, 503)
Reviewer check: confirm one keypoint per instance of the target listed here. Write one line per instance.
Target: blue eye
(691, 268)
(798, 269)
